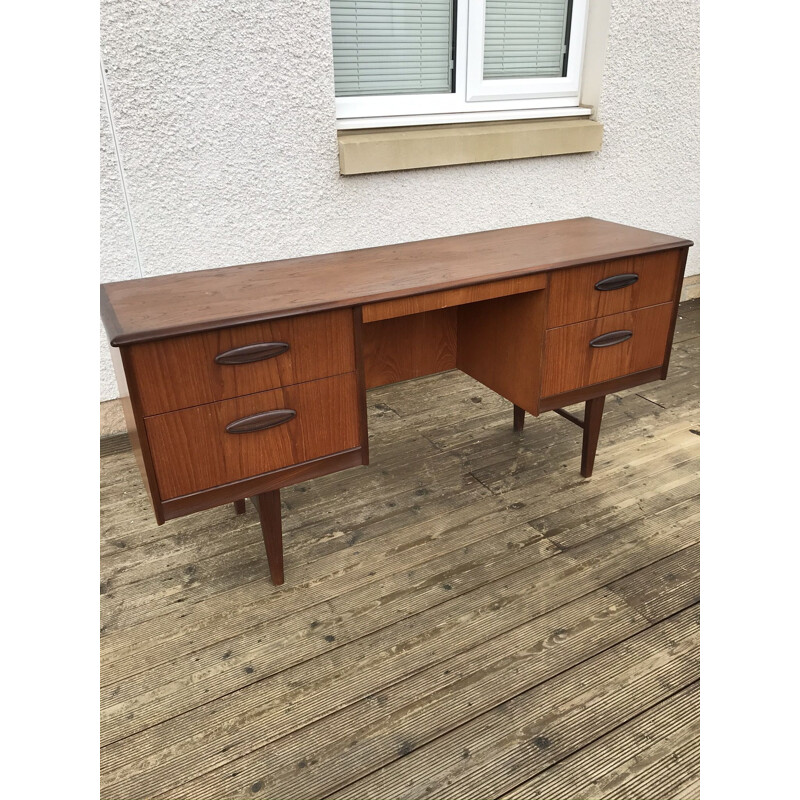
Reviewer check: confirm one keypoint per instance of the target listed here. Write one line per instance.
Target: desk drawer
(609, 287)
(178, 373)
(199, 448)
(603, 349)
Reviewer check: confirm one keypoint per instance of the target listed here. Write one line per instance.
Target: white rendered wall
(224, 119)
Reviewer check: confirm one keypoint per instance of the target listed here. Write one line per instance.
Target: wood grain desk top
(147, 309)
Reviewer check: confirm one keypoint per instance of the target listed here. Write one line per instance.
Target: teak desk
(239, 381)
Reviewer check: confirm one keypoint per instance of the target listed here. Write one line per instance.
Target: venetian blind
(392, 46)
(524, 38)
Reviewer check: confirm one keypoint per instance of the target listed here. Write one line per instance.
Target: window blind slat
(391, 46)
(524, 38)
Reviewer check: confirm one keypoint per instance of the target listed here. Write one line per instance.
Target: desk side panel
(358, 347)
(134, 421)
(676, 299)
(500, 345)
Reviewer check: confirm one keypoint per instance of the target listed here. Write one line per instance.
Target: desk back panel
(401, 348)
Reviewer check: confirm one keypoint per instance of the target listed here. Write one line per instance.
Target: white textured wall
(117, 254)
(224, 116)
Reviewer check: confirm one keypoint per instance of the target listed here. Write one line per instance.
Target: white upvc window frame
(475, 98)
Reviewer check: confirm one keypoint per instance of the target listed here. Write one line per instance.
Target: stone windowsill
(391, 149)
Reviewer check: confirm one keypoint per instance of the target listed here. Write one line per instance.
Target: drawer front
(600, 350)
(597, 290)
(434, 301)
(199, 448)
(186, 371)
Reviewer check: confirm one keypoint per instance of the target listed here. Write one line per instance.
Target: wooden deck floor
(465, 618)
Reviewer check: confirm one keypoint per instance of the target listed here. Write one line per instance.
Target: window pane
(392, 46)
(525, 38)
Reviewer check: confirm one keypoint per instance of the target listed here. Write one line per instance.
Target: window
(411, 62)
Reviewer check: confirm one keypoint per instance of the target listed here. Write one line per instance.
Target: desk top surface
(168, 305)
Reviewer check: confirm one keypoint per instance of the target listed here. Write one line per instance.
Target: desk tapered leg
(269, 511)
(239, 506)
(592, 417)
(519, 418)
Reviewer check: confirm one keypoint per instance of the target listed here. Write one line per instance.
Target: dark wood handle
(252, 352)
(609, 339)
(261, 421)
(616, 282)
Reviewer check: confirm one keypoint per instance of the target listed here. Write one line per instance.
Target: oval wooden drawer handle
(261, 421)
(251, 352)
(616, 282)
(612, 338)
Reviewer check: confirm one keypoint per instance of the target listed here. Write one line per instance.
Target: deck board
(467, 592)
(601, 768)
(532, 730)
